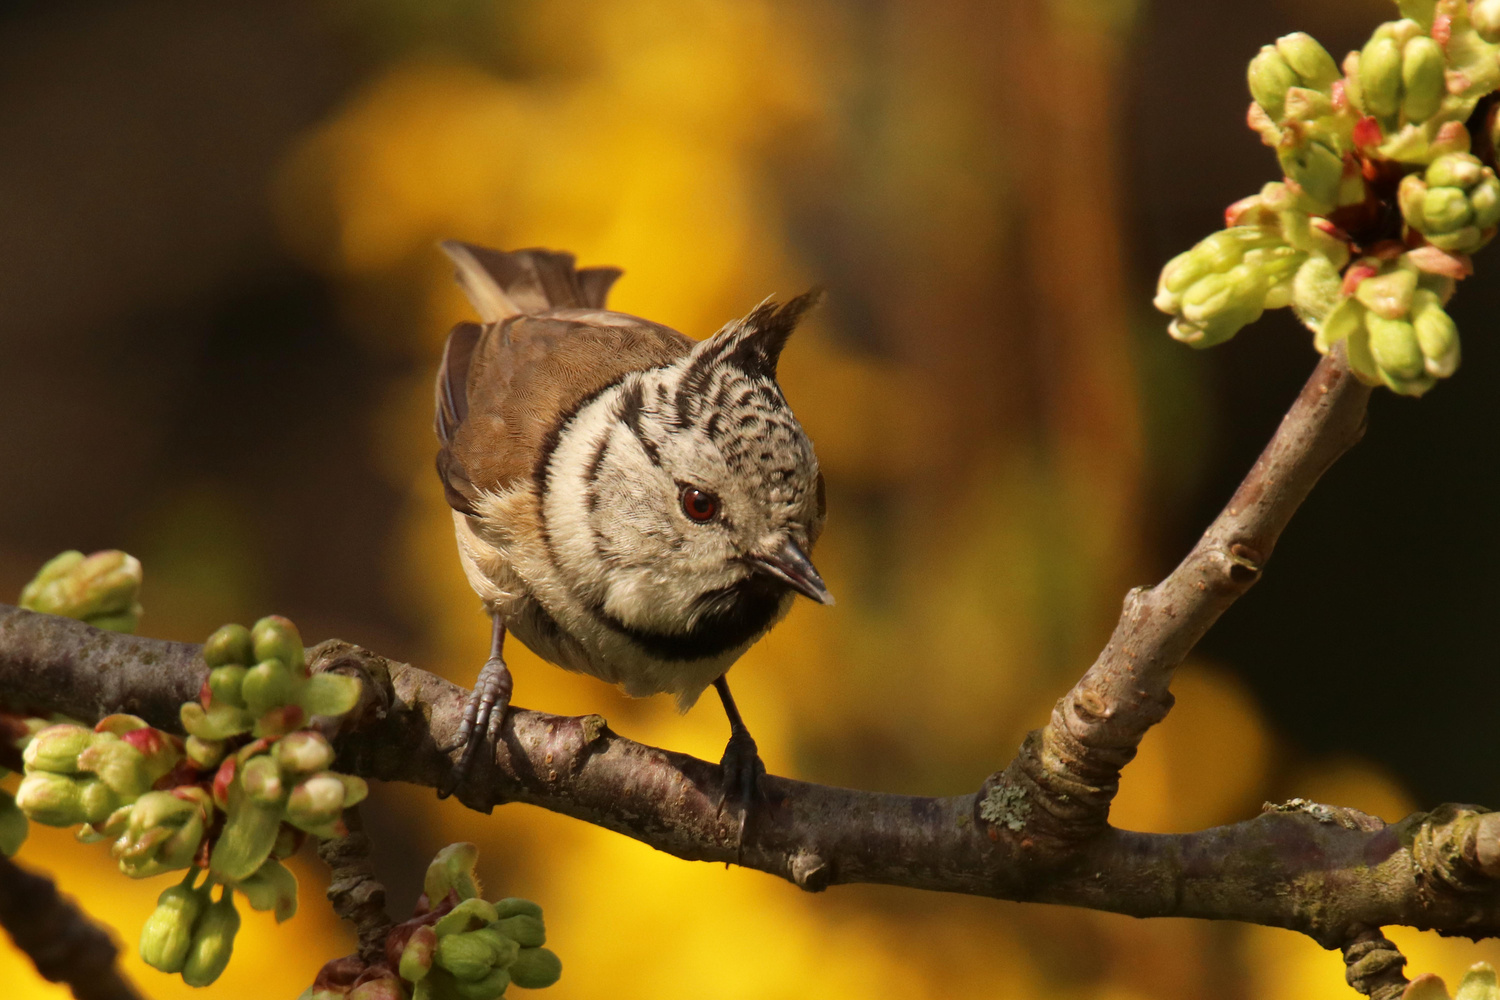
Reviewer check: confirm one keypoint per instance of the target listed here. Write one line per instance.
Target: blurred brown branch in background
(1035, 831)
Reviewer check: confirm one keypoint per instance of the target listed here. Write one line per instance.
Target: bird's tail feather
(501, 285)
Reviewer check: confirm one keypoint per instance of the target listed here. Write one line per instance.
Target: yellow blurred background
(228, 308)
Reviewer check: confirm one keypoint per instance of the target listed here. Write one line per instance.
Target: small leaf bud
(168, 932)
(535, 969)
(231, 644)
(1380, 76)
(1422, 76)
(213, 942)
(276, 638)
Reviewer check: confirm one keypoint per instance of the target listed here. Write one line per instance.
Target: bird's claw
(742, 792)
(484, 712)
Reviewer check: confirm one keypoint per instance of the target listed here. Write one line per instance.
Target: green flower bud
(1388, 295)
(1466, 239)
(1410, 195)
(1218, 306)
(1457, 170)
(1445, 209)
(487, 988)
(57, 748)
(101, 586)
(1393, 344)
(1357, 349)
(213, 942)
(231, 644)
(1484, 198)
(385, 987)
(328, 694)
(1436, 333)
(51, 799)
(535, 969)
(13, 825)
(96, 799)
(260, 777)
(303, 752)
(276, 638)
(205, 753)
(418, 955)
(168, 932)
(1380, 76)
(1484, 15)
(1422, 67)
(267, 685)
(118, 764)
(217, 723)
(1479, 983)
(1270, 77)
(1316, 168)
(503, 950)
(513, 905)
(272, 887)
(316, 802)
(469, 915)
(162, 833)
(1316, 289)
(1309, 60)
(524, 929)
(466, 956)
(225, 685)
(452, 869)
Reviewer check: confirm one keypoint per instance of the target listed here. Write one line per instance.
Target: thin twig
(357, 895)
(65, 944)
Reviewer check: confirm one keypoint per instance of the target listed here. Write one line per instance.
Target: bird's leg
(742, 765)
(483, 712)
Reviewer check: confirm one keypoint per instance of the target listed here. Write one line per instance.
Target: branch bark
(1037, 830)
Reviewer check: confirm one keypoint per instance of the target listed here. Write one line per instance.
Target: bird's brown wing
(506, 386)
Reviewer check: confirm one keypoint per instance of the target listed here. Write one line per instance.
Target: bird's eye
(699, 505)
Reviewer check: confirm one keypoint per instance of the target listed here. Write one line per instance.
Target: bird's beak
(789, 564)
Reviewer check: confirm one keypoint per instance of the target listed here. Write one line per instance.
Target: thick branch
(1328, 872)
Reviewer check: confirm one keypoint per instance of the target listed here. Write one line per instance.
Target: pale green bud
(225, 684)
(1445, 209)
(1455, 170)
(503, 950)
(213, 942)
(1270, 77)
(51, 799)
(57, 748)
(1393, 344)
(1388, 295)
(1309, 60)
(13, 825)
(168, 932)
(1316, 168)
(103, 585)
(267, 685)
(217, 723)
(118, 764)
(231, 644)
(469, 915)
(417, 956)
(205, 753)
(513, 905)
(1484, 15)
(464, 955)
(386, 987)
(1436, 333)
(1316, 289)
(260, 777)
(535, 969)
(524, 929)
(1357, 349)
(1380, 76)
(316, 802)
(303, 752)
(272, 887)
(1411, 194)
(162, 833)
(1479, 983)
(276, 638)
(1422, 67)
(1465, 239)
(1484, 198)
(452, 869)
(1219, 306)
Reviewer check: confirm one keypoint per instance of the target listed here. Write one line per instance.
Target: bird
(628, 502)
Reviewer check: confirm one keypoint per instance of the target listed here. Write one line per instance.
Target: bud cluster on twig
(1382, 202)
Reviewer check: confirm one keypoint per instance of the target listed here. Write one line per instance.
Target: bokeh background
(221, 307)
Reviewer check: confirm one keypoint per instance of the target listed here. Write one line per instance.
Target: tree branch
(1036, 831)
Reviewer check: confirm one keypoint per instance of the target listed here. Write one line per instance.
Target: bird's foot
(484, 711)
(742, 773)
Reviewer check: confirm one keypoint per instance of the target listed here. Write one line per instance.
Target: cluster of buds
(75, 774)
(101, 589)
(258, 684)
(457, 946)
(189, 933)
(1479, 983)
(1384, 131)
(1454, 203)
